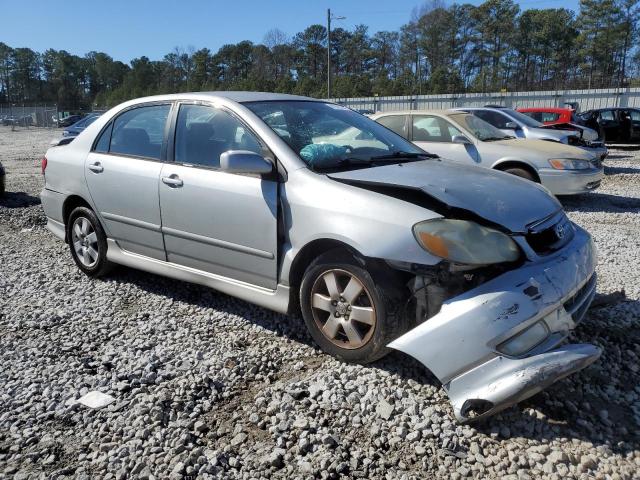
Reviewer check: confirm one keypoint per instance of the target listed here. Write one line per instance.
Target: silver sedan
(465, 138)
(304, 206)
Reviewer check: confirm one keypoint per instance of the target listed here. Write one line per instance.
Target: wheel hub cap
(343, 309)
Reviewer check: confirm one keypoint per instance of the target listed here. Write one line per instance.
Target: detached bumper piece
(501, 342)
(502, 382)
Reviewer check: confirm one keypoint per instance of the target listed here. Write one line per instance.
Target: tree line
(442, 49)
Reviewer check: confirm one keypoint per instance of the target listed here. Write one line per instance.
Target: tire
(329, 281)
(520, 172)
(85, 235)
(2, 184)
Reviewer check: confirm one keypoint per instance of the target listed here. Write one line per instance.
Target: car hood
(544, 149)
(498, 197)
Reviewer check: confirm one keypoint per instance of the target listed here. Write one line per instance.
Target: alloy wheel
(85, 242)
(343, 309)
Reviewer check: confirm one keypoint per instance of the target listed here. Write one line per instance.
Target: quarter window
(140, 131)
(204, 133)
(394, 123)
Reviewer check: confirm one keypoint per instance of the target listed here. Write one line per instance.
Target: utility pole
(329, 18)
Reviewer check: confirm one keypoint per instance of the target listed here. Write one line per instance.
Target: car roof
(546, 109)
(419, 112)
(234, 96)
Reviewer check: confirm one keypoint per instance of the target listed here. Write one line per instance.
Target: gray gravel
(209, 385)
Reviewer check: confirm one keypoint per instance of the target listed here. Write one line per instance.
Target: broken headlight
(465, 242)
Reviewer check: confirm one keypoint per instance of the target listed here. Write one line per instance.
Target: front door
(122, 173)
(215, 221)
(434, 135)
(610, 125)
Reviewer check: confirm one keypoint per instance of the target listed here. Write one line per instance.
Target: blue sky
(132, 28)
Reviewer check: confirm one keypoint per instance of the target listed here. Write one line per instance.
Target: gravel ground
(211, 386)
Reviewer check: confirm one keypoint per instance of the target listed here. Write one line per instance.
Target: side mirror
(460, 139)
(511, 126)
(244, 161)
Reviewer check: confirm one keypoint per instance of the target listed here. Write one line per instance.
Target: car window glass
(394, 123)
(428, 129)
(607, 115)
(548, 117)
(203, 133)
(140, 131)
(102, 145)
(494, 118)
(635, 115)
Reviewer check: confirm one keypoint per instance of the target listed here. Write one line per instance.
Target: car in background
(80, 125)
(68, 121)
(467, 139)
(478, 275)
(3, 180)
(618, 125)
(563, 118)
(520, 125)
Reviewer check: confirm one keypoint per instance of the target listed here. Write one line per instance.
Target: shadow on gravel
(600, 202)
(18, 200)
(291, 327)
(620, 170)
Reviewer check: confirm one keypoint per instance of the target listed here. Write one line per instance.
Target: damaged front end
(492, 335)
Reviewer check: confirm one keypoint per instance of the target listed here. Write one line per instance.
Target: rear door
(215, 221)
(122, 173)
(434, 134)
(634, 116)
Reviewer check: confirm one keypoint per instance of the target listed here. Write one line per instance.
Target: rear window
(140, 132)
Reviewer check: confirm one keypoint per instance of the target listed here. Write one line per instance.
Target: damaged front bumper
(462, 344)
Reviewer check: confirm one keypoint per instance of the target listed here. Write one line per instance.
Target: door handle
(96, 167)
(172, 181)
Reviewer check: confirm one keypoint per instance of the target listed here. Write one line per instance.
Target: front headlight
(465, 242)
(569, 164)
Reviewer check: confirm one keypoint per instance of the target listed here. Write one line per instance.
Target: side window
(548, 117)
(494, 118)
(535, 115)
(102, 145)
(394, 123)
(203, 133)
(607, 115)
(140, 131)
(432, 129)
(635, 115)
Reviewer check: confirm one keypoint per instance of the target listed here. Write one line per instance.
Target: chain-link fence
(29, 116)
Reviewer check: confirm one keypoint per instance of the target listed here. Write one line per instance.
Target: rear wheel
(520, 172)
(2, 184)
(347, 313)
(87, 242)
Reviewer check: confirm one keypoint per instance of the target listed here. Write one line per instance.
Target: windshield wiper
(394, 155)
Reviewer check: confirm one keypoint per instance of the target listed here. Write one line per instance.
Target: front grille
(577, 305)
(550, 234)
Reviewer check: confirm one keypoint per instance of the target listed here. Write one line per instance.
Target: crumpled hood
(544, 149)
(498, 197)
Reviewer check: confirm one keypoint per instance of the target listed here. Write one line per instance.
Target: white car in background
(465, 138)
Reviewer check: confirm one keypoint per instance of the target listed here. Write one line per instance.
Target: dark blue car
(80, 125)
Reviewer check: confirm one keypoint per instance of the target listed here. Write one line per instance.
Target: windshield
(328, 136)
(482, 130)
(522, 118)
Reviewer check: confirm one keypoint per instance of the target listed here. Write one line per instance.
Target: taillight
(44, 164)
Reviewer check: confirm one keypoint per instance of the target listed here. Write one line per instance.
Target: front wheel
(87, 242)
(520, 172)
(346, 312)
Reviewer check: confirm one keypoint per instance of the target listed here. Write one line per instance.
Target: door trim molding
(217, 243)
(277, 299)
(131, 221)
